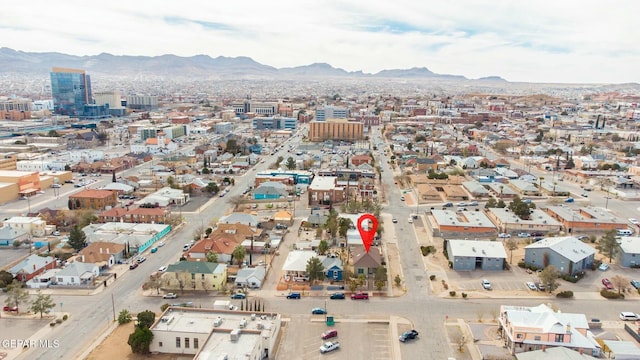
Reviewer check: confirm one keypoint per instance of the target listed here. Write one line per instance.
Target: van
(625, 232)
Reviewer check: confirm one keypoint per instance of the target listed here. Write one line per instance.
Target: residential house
(33, 226)
(332, 266)
(250, 277)
(525, 188)
(366, 263)
(195, 275)
(31, 266)
(220, 244)
(295, 266)
(83, 139)
(476, 189)
(78, 274)
(568, 254)
(93, 199)
(102, 253)
(554, 353)
(239, 218)
(270, 190)
(537, 328)
(358, 160)
(468, 255)
(10, 235)
(283, 217)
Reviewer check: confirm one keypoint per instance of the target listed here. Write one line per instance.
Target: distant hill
(199, 66)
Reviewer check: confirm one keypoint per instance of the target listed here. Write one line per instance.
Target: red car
(607, 284)
(329, 334)
(360, 296)
(7, 308)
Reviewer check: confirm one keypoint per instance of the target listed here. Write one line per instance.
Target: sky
(560, 41)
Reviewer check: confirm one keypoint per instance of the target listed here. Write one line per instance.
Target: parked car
(133, 266)
(569, 200)
(337, 296)
(449, 204)
(360, 296)
(462, 203)
(635, 284)
(408, 335)
(56, 233)
(12, 308)
(395, 221)
(634, 221)
(532, 286)
(603, 267)
(473, 203)
(141, 259)
(541, 286)
(329, 334)
(161, 244)
(537, 233)
(170, 296)
(607, 283)
(162, 269)
(329, 346)
(238, 296)
(584, 195)
(293, 295)
(318, 311)
(154, 250)
(629, 316)
(486, 284)
(524, 235)
(504, 235)
(401, 198)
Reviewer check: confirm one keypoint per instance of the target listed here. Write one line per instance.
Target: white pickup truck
(329, 346)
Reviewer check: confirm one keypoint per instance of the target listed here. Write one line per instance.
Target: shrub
(58, 321)
(464, 295)
(611, 294)
(52, 324)
(573, 278)
(565, 294)
(426, 250)
(65, 317)
(452, 293)
(445, 285)
(432, 277)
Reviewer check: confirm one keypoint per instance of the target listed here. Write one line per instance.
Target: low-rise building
(537, 328)
(324, 190)
(102, 253)
(629, 254)
(568, 254)
(508, 222)
(216, 334)
(467, 255)
(78, 274)
(93, 199)
(449, 223)
(195, 275)
(31, 266)
(585, 219)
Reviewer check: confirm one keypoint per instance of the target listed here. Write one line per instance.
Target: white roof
(630, 244)
(567, 246)
(323, 183)
(471, 219)
(538, 217)
(116, 186)
(477, 248)
(297, 260)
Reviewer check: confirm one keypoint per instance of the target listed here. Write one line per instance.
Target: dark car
(238, 296)
(337, 296)
(294, 295)
(537, 233)
(408, 335)
(318, 311)
(635, 284)
(329, 334)
(133, 266)
(360, 296)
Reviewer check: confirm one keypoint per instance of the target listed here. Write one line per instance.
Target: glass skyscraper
(71, 91)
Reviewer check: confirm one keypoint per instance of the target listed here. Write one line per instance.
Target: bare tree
(511, 244)
(480, 314)
(183, 278)
(460, 340)
(620, 282)
(235, 201)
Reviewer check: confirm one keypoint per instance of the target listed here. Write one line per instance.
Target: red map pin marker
(369, 233)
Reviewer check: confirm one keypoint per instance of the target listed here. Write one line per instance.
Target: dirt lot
(115, 347)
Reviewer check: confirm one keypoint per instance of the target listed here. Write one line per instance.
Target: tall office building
(331, 112)
(71, 91)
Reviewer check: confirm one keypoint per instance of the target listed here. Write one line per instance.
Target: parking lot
(359, 339)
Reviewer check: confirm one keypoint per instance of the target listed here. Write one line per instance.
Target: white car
(532, 286)
(329, 346)
(162, 269)
(462, 203)
(170, 296)
(524, 235)
(634, 221)
(504, 235)
(486, 284)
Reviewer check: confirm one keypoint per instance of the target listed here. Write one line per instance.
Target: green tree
(212, 188)
(491, 203)
(549, 277)
(5, 278)
(239, 252)
(232, 146)
(16, 294)
(501, 204)
(608, 244)
(146, 319)
(140, 340)
(520, 208)
(124, 317)
(343, 226)
(331, 225)
(212, 257)
(279, 160)
(77, 238)
(42, 303)
(53, 133)
(381, 274)
(323, 247)
(291, 164)
(314, 269)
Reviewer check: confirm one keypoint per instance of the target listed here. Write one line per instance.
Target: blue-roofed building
(568, 254)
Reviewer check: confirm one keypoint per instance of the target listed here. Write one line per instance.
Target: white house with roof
(242, 218)
(78, 274)
(33, 226)
(31, 266)
(165, 197)
(467, 255)
(568, 254)
(251, 277)
(295, 265)
(535, 328)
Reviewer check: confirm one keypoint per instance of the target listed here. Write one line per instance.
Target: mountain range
(199, 66)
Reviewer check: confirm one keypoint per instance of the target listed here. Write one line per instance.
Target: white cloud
(541, 41)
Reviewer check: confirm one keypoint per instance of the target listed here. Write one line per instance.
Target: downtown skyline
(543, 41)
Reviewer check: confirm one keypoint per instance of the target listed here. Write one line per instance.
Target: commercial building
(71, 92)
(585, 219)
(475, 254)
(16, 184)
(142, 102)
(216, 334)
(448, 223)
(331, 112)
(275, 123)
(568, 254)
(508, 222)
(93, 199)
(336, 129)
